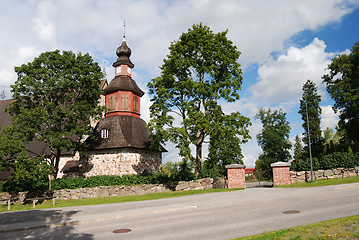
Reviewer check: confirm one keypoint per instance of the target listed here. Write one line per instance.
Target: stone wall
(113, 191)
(304, 176)
(122, 161)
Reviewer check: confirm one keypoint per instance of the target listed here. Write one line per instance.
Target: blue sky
(283, 43)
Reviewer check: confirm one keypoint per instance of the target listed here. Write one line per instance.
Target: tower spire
(124, 30)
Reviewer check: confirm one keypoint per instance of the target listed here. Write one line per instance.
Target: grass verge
(107, 200)
(323, 182)
(341, 228)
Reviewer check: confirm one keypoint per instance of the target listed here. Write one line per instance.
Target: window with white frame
(104, 133)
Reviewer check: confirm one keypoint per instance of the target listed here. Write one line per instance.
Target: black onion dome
(123, 52)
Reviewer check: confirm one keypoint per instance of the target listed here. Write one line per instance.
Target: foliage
(298, 148)
(56, 96)
(273, 139)
(330, 161)
(27, 173)
(225, 145)
(309, 108)
(200, 71)
(109, 180)
(342, 83)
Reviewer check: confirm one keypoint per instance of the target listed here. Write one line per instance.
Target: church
(122, 139)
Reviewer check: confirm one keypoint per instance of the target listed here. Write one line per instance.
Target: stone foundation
(122, 162)
(304, 176)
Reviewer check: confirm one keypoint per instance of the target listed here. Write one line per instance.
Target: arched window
(104, 133)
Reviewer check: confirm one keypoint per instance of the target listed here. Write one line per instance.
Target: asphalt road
(207, 216)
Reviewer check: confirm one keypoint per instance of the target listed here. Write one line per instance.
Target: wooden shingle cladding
(123, 132)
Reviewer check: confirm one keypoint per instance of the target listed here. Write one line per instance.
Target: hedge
(330, 161)
(127, 180)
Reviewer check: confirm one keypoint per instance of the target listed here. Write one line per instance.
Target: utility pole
(309, 145)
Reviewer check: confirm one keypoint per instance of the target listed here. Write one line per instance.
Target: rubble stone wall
(112, 191)
(304, 176)
(122, 161)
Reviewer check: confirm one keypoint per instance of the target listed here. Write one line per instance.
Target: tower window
(135, 104)
(124, 102)
(104, 133)
(112, 102)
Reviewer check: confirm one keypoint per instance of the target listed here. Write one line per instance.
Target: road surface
(225, 215)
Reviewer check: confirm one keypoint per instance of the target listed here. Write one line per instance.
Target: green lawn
(106, 200)
(324, 182)
(341, 228)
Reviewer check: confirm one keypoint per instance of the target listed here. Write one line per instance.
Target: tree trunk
(55, 167)
(198, 160)
(199, 144)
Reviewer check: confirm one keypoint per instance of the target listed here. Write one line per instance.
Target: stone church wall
(122, 161)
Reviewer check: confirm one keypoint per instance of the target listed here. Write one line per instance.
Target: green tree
(225, 143)
(27, 173)
(298, 148)
(56, 97)
(310, 102)
(200, 71)
(342, 83)
(273, 139)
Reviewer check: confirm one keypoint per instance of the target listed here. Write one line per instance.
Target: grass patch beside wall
(341, 228)
(107, 200)
(323, 182)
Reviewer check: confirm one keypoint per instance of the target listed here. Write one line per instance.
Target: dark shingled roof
(123, 83)
(123, 132)
(34, 148)
(5, 118)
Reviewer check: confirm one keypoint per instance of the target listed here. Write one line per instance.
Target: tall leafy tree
(56, 96)
(310, 102)
(298, 148)
(200, 71)
(342, 83)
(273, 139)
(225, 142)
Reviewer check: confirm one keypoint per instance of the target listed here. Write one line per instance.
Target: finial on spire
(124, 30)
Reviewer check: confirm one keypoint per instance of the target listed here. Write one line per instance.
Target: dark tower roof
(123, 132)
(124, 83)
(123, 52)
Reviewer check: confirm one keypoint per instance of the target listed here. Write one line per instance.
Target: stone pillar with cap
(281, 173)
(236, 176)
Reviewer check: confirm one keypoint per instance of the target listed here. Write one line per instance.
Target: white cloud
(44, 24)
(281, 80)
(329, 118)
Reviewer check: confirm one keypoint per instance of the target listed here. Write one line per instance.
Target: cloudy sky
(283, 43)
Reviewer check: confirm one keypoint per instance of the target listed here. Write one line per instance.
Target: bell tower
(122, 94)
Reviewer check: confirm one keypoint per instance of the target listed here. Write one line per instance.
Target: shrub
(209, 173)
(330, 161)
(109, 180)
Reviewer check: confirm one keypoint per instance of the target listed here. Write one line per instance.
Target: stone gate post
(281, 173)
(236, 176)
